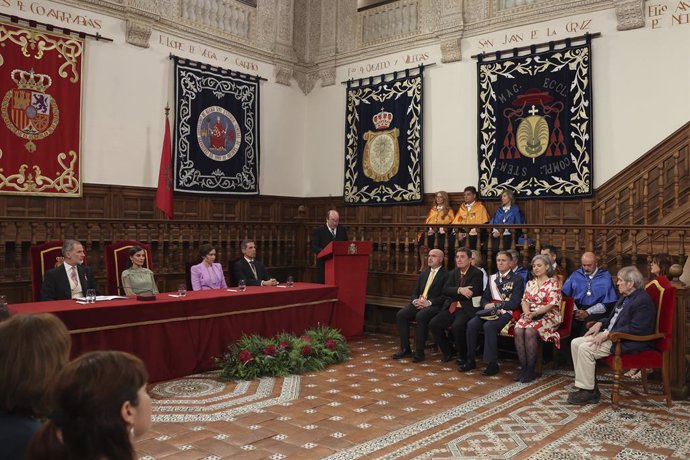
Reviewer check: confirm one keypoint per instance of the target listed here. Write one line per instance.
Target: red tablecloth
(180, 336)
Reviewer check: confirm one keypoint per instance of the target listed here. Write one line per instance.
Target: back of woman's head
(89, 399)
(33, 349)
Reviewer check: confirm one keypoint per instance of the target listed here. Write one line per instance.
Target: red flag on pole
(164, 195)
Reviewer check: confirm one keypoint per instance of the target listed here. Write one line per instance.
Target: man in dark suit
(70, 280)
(463, 283)
(425, 303)
(324, 235)
(252, 271)
(502, 295)
(634, 313)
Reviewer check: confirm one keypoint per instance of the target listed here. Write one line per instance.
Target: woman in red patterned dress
(541, 316)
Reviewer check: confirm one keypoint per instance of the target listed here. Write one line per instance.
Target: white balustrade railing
(228, 16)
(390, 21)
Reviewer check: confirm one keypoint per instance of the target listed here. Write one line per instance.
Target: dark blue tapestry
(383, 140)
(216, 139)
(535, 124)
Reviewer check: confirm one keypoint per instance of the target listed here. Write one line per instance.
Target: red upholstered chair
(43, 257)
(663, 294)
(117, 261)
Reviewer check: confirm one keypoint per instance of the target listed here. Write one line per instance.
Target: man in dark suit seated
(634, 313)
(502, 295)
(70, 280)
(252, 271)
(463, 283)
(324, 235)
(425, 303)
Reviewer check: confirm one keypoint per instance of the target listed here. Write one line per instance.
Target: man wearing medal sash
(501, 297)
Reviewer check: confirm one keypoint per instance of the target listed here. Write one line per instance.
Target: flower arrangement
(254, 356)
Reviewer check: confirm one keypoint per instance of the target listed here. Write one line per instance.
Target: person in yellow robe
(439, 214)
(470, 212)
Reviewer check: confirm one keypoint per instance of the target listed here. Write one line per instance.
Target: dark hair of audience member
(133, 250)
(664, 263)
(88, 400)
(33, 349)
(204, 249)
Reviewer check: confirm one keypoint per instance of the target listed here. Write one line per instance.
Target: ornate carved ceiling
(306, 39)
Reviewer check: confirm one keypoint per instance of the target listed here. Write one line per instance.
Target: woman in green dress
(137, 279)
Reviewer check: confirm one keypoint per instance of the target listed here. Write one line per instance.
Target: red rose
(330, 344)
(270, 350)
(284, 344)
(245, 356)
(307, 351)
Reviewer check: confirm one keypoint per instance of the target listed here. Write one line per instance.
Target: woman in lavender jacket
(207, 274)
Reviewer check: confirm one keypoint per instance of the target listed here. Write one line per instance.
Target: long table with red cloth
(176, 337)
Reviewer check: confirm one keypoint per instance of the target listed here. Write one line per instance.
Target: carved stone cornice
(306, 80)
(629, 14)
(327, 73)
(138, 33)
(283, 74)
(450, 50)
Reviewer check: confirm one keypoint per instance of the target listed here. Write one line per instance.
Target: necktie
(428, 283)
(73, 275)
(333, 232)
(253, 267)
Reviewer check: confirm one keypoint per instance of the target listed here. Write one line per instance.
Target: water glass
(290, 281)
(91, 296)
(181, 290)
(4, 311)
(242, 285)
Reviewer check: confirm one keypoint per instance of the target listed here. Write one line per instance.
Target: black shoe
(528, 376)
(417, 358)
(460, 361)
(583, 397)
(491, 369)
(519, 375)
(468, 366)
(402, 354)
(446, 358)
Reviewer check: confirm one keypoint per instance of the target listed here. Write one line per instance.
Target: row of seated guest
(471, 212)
(95, 406)
(208, 274)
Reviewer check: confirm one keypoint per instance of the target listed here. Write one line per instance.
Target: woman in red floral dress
(541, 316)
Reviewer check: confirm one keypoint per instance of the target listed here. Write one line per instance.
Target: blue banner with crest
(216, 136)
(383, 139)
(535, 123)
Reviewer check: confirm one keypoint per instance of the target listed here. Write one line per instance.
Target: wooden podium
(347, 266)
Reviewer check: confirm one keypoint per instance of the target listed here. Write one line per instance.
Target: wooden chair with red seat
(43, 257)
(663, 294)
(117, 261)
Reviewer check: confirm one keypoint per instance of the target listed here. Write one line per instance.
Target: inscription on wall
(668, 14)
(51, 13)
(389, 64)
(550, 32)
(223, 58)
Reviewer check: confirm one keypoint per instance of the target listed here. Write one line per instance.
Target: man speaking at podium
(324, 235)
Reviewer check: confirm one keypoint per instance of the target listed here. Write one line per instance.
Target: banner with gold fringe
(40, 132)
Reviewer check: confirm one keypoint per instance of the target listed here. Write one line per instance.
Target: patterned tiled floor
(376, 407)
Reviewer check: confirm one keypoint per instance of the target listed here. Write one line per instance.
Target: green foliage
(254, 356)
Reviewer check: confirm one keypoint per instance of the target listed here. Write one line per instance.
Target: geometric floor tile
(375, 407)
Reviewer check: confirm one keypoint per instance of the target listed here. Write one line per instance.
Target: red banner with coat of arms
(40, 97)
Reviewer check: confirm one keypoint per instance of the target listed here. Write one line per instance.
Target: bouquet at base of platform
(254, 356)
